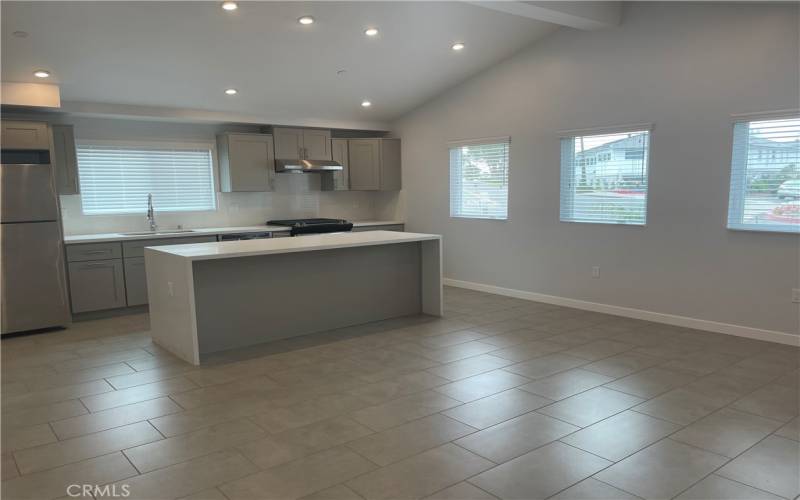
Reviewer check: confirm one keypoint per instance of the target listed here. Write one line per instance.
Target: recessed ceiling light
(371, 31)
(231, 91)
(230, 5)
(40, 73)
(365, 104)
(306, 20)
(458, 46)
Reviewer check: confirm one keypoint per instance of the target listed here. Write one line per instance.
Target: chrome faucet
(151, 214)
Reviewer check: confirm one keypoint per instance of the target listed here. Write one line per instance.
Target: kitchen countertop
(110, 237)
(307, 243)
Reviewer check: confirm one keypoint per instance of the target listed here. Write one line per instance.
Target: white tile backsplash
(295, 196)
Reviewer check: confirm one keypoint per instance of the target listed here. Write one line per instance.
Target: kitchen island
(212, 297)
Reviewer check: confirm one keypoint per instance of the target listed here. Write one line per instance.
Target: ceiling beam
(578, 15)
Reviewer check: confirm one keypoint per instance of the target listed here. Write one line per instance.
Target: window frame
(157, 144)
(564, 177)
(738, 169)
(479, 142)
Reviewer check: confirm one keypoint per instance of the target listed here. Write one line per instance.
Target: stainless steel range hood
(307, 166)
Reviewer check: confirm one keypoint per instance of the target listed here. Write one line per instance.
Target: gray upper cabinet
(288, 143)
(316, 144)
(340, 179)
(96, 285)
(302, 143)
(391, 179)
(65, 159)
(374, 164)
(364, 164)
(25, 135)
(246, 162)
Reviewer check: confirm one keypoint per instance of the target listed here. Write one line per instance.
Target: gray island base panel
(212, 297)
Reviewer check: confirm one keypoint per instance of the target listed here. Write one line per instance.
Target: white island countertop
(307, 243)
(205, 231)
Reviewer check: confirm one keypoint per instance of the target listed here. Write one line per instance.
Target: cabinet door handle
(98, 264)
(96, 252)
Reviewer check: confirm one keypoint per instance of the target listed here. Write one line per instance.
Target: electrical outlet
(170, 289)
(796, 295)
(595, 271)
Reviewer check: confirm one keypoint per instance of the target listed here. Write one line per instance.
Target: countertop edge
(82, 239)
(369, 241)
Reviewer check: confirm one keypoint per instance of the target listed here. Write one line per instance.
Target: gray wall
(295, 195)
(685, 67)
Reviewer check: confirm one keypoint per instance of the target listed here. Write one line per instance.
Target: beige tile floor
(502, 398)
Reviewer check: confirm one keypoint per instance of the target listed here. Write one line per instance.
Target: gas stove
(313, 226)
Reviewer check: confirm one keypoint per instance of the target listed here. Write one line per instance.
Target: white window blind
(604, 178)
(479, 179)
(116, 179)
(765, 176)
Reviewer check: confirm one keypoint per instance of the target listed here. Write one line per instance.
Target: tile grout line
(440, 363)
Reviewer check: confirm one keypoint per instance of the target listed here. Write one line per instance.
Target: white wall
(296, 195)
(685, 67)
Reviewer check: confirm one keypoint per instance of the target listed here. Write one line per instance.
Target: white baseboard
(629, 312)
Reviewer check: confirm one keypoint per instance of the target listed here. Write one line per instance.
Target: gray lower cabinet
(136, 248)
(135, 273)
(111, 275)
(96, 285)
(246, 162)
(374, 164)
(65, 159)
(94, 251)
(135, 281)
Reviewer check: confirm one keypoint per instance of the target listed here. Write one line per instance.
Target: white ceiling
(184, 54)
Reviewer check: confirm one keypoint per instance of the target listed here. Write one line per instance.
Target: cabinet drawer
(135, 281)
(136, 248)
(96, 285)
(93, 251)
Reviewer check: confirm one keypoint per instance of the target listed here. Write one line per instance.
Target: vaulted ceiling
(184, 55)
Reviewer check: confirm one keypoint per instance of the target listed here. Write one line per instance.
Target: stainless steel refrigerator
(34, 292)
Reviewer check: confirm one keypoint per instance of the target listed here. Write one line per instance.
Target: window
(116, 179)
(765, 176)
(611, 192)
(479, 179)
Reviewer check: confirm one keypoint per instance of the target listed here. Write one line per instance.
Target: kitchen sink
(145, 233)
